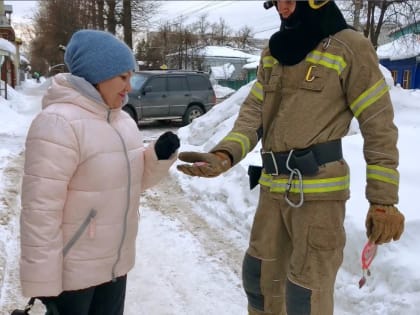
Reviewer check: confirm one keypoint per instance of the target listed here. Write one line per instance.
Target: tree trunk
(101, 14)
(111, 18)
(358, 5)
(126, 21)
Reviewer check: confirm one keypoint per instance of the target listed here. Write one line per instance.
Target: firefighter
(315, 75)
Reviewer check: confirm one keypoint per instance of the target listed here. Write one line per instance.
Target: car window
(137, 80)
(178, 83)
(157, 84)
(198, 82)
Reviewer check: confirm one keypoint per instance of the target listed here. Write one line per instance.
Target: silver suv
(168, 94)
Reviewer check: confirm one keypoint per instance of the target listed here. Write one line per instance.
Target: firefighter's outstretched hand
(384, 223)
(204, 164)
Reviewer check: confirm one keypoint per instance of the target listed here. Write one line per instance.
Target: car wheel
(130, 111)
(192, 113)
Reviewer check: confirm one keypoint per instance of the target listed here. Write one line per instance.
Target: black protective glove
(47, 301)
(50, 304)
(166, 145)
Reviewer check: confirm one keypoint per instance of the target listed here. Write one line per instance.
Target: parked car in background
(169, 94)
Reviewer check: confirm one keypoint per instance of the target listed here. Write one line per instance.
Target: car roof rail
(173, 71)
(183, 71)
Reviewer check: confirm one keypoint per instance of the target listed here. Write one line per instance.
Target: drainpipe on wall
(2, 18)
(18, 42)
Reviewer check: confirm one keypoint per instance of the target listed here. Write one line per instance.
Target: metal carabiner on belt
(293, 172)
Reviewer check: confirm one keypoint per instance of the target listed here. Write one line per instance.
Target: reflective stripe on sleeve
(269, 62)
(369, 97)
(383, 174)
(257, 91)
(322, 185)
(327, 60)
(241, 139)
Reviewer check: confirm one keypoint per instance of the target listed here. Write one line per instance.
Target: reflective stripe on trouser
(298, 250)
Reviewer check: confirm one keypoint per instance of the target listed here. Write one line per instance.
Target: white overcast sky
(22, 10)
(236, 14)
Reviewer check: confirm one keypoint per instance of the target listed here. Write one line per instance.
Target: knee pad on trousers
(251, 276)
(298, 299)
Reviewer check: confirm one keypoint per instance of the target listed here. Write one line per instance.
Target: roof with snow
(222, 72)
(252, 65)
(224, 51)
(406, 46)
(7, 46)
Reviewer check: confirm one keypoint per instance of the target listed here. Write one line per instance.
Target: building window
(394, 74)
(406, 79)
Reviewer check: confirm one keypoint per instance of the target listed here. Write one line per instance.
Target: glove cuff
(224, 157)
(385, 209)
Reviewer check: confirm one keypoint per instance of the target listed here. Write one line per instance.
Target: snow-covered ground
(193, 231)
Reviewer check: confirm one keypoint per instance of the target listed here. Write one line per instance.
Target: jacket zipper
(79, 232)
(124, 232)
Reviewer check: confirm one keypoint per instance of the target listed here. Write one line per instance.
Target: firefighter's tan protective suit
(315, 77)
(294, 253)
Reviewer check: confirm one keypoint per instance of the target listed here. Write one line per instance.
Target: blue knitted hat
(97, 56)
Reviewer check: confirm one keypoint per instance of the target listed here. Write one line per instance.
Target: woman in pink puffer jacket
(85, 167)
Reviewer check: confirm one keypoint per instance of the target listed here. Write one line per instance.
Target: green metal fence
(233, 84)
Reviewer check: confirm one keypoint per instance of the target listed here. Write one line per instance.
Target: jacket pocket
(325, 252)
(88, 222)
(314, 78)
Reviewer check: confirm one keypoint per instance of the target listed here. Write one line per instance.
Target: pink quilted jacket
(85, 167)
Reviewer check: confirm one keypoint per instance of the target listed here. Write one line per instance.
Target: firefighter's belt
(306, 160)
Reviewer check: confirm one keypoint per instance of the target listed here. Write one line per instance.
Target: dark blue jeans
(104, 299)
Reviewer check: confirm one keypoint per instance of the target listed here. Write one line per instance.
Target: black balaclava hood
(303, 30)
